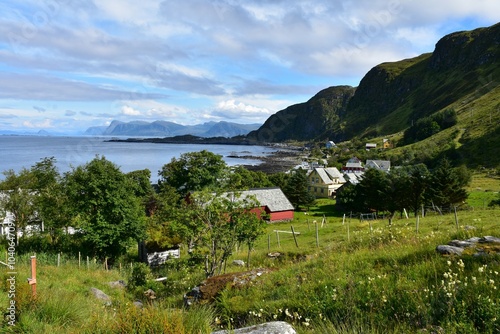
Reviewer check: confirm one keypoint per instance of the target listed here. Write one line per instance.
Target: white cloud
(44, 124)
(129, 111)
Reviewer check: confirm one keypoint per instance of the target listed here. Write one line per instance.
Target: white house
(324, 182)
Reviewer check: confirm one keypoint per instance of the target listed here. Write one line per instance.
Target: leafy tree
(279, 179)
(241, 178)
(212, 224)
(297, 189)
(18, 198)
(418, 180)
(195, 171)
(51, 200)
(105, 207)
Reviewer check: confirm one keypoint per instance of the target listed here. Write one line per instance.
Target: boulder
(101, 296)
(449, 250)
(275, 327)
(239, 263)
(489, 240)
(138, 304)
(461, 243)
(117, 284)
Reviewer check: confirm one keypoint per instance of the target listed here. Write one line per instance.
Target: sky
(66, 65)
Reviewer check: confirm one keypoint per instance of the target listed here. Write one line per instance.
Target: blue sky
(67, 65)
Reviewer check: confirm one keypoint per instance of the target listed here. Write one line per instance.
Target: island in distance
(171, 129)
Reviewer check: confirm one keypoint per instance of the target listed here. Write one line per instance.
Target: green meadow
(338, 275)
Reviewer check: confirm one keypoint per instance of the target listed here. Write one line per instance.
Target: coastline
(285, 158)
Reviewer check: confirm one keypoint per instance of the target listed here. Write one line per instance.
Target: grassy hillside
(356, 277)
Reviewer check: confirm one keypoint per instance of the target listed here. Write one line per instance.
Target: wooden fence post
(456, 217)
(317, 236)
(58, 259)
(32, 279)
(294, 237)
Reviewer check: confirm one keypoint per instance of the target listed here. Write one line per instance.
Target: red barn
(273, 201)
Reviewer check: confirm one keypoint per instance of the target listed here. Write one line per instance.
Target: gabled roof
(273, 198)
(328, 175)
(384, 165)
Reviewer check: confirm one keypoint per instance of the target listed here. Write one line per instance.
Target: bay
(17, 152)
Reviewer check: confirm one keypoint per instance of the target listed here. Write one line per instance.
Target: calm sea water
(17, 152)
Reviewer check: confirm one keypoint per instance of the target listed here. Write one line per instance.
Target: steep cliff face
(319, 118)
(393, 95)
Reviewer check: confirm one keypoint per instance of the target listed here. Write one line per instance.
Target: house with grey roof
(272, 201)
(323, 182)
(383, 165)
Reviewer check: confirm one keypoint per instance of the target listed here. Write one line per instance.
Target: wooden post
(317, 236)
(88, 264)
(417, 224)
(106, 263)
(343, 219)
(278, 237)
(32, 280)
(456, 217)
(58, 259)
(294, 237)
(348, 236)
(323, 221)
(406, 213)
(79, 259)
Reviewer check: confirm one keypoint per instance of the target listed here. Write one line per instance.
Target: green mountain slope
(462, 73)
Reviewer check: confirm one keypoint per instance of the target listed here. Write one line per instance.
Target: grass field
(337, 276)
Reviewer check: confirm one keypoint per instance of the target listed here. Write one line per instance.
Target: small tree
(105, 207)
(297, 190)
(212, 224)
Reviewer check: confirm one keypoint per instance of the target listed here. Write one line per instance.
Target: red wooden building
(272, 201)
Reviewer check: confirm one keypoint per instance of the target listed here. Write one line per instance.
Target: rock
(449, 250)
(138, 304)
(101, 296)
(192, 296)
(473, 239)
(489, 239)
(461, 243)
(274, 255)
(150, 294)
(275, 327)
(117, 284)
(239, 263)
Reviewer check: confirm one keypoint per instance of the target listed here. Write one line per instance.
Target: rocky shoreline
(285, 158)
(279, 161)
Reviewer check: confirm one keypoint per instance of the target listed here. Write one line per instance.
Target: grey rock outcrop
(99, 294)
(275, 327)
(449, 250)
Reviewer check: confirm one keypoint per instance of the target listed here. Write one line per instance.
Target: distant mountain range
(170, 129)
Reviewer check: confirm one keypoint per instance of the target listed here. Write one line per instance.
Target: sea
(18, 152)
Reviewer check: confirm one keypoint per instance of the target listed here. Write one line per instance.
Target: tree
(446, 186)
(212, 224)
(51, 200)
(241, 178)
(18, 198)
(195, 171)
(105, 207)
(373, 190)
(297, 190)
